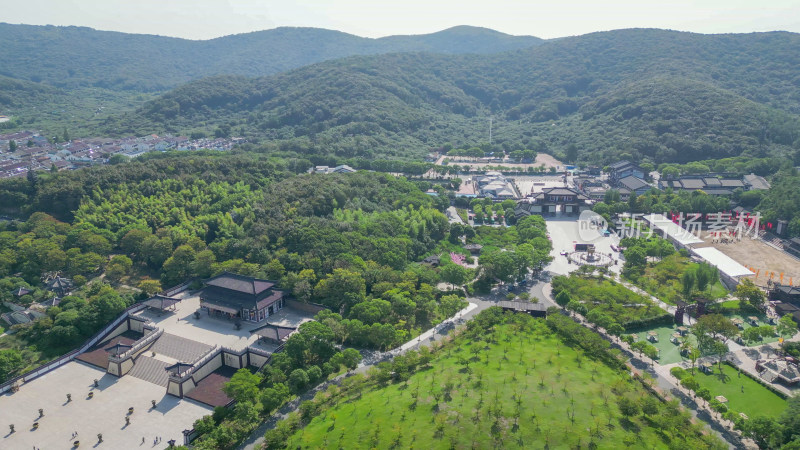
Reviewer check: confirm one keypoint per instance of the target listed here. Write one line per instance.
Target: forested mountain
(663, 95)
(79, 56)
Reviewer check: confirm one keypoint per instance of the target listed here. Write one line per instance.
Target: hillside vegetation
(508, 381)
(660, 95)
(83, 57)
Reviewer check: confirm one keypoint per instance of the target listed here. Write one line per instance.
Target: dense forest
(351, 242)
(83, 57)
(659, 96)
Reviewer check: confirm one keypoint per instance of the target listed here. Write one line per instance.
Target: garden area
(510, 381)
(653, 265)
(606, 303)
(668, 352)
(752, 333)
(743, 394)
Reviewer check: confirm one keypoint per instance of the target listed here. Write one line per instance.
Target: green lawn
(743, 393)
(728, 305)
(668, 352)
(565, 400)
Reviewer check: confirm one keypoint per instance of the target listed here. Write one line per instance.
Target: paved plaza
(214, 330)
(564, 234)
(104, 413)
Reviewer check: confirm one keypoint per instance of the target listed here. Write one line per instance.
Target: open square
(104, 413)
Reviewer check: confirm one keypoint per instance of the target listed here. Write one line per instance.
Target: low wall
(137, 324)
(89, 343)
(205, 370)
(179, 288)
(311, 308)
(121, 365)
(257, 360)
(218, 357)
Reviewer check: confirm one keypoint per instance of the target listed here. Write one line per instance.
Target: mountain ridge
(724, 95)
(84, 57)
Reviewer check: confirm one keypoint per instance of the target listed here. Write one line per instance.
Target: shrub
(678, 372)
(717, 406)
(690, 383)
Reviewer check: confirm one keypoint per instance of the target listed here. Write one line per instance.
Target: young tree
(694, 355)
(118, 267)
(298, 380)
(766, 431)
(748, 293)
(786, 326)
(635, 262)
(628, 406)
(687, 283)
(563, 298)
(273, 397)
(716, 325)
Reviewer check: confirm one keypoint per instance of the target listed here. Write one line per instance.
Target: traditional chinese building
(552, 201)
(239, 296)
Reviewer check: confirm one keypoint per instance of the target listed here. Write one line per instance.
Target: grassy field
(521, 388)
(668, 352)
(743, 393)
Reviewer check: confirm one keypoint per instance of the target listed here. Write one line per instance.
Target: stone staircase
(772, 239)
(150, 369)
(179, 348)
(171, 346)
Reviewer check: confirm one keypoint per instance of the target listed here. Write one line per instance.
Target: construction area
(766, 261)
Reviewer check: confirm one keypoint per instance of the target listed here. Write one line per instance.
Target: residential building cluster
(33, 151)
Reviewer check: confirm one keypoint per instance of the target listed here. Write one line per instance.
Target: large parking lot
(564, 234)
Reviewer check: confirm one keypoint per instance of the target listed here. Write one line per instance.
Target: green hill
(667, 96)
(79, 56)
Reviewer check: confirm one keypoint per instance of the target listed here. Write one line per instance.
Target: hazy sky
(203, 19)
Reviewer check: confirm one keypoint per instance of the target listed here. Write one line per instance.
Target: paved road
(452, 215)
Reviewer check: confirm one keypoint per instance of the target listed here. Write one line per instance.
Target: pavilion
(178, 368)
(275, 334)
(534, 309)
(161, 303)
(118, 349)
(785, 370)
(236, 296)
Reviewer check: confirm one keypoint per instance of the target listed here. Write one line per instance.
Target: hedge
(663, 319)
